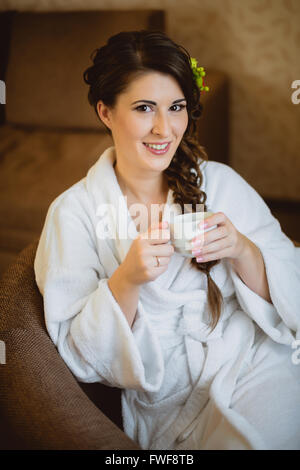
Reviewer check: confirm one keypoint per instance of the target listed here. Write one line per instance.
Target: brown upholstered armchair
(42, 406)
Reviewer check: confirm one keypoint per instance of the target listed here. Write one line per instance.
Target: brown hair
(128, 55)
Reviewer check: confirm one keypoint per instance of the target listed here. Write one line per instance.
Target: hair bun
(91, 73)
(88, 75)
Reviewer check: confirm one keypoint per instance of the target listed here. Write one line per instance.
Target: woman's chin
(162, 160)
(160, 163)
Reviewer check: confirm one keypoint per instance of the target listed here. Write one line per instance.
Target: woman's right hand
(140, 263)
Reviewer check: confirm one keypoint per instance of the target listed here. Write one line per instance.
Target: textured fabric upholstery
(42, 406)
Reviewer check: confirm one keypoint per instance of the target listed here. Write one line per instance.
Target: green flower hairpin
(199, 73)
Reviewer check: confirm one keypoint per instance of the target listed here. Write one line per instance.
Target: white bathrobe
(182, 386)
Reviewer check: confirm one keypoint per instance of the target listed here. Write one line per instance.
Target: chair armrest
(42, 405)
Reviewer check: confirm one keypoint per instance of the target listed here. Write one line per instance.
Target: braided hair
(126, 56)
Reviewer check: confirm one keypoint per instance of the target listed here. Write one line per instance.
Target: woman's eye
(180, 106)
(142, 106)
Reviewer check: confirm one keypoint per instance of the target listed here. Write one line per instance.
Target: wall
(257, 43)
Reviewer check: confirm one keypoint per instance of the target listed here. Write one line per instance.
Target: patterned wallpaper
(257, 43)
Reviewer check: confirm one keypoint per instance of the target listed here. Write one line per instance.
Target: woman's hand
(140, 264)
(224, 241)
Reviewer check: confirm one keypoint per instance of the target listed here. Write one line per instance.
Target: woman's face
(135, 122)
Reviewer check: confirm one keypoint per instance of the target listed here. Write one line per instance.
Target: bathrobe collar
(103, 187)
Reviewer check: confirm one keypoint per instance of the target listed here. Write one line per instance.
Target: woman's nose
(162, 125)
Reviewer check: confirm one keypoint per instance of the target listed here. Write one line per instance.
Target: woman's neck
(144, 190)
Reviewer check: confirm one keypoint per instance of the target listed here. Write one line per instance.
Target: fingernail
(200, 258)
(203, 225)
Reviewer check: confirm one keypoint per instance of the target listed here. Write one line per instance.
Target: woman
(202, 349)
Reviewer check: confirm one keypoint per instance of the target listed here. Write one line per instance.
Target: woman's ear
(104, 113)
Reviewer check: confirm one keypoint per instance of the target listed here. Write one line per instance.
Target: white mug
(184, 228)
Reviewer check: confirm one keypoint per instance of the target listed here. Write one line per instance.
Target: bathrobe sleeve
(251, 216)
(82, 317)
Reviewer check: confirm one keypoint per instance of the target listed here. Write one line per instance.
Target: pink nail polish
(196, 243)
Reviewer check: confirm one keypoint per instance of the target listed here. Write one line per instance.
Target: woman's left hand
(224, 241)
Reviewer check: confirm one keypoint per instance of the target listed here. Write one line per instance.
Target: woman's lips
(156, 151)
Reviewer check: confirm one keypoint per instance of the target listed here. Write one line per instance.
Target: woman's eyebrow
(153, 102)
